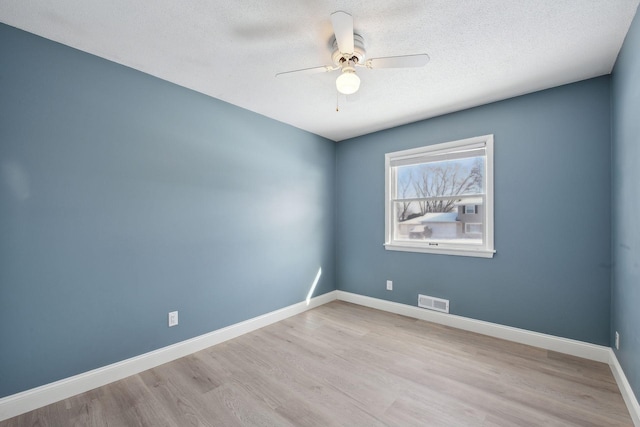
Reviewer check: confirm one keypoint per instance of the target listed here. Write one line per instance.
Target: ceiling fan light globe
(348, 83)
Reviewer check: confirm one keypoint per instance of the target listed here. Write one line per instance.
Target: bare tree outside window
(439, 198)
(433, 182)
(404, 187)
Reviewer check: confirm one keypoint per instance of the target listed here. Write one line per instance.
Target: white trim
(422, 155)
(16, 404)
(479, 253)
(549, 342)
(489, 219)
(625, 388)
(19, 403)
(415, 154)
(582, 349)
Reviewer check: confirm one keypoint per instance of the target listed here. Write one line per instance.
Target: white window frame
(413, 156)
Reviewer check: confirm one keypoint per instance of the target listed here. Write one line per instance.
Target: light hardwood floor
(346, 365)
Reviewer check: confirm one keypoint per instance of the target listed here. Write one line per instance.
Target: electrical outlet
(389, 285)
(173, 318)
(617, 341)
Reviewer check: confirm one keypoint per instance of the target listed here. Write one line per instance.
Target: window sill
(478, 253)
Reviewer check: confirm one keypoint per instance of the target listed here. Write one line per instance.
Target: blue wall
(626, 205)
(124, 197)
(551, 272)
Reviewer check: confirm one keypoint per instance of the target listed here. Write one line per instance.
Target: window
(439, 198)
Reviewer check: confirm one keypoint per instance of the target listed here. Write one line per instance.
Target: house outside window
(439, 198)
(473, 228)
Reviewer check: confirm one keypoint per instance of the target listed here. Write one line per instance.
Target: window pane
(439, 198)
(473, 228)
(415, 223)
(445, 178)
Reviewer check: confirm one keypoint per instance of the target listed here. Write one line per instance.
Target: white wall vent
(433, 303)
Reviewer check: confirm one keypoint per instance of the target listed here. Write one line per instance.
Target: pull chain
(337, 102)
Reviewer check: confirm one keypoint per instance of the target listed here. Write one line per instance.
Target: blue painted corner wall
(626, 205)
(551, 272)
(124, 197)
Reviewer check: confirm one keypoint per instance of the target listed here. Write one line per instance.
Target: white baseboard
(625, 388)
(549, 342)
(29, 400)
(562, 345)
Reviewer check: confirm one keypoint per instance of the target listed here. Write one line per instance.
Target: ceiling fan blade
(405, 61)
(314, 70)
(343, 29)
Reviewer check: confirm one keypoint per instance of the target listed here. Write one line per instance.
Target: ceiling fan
(349, 53)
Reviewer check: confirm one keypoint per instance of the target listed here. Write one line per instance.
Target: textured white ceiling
(481, 50)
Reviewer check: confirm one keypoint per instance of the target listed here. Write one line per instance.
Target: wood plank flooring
(346, 365)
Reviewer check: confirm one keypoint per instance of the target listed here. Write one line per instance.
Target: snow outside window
(439, 198)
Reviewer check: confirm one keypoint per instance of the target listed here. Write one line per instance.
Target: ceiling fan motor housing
(357, 56)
